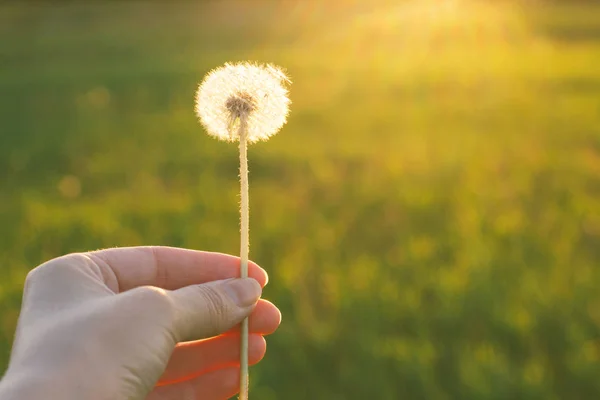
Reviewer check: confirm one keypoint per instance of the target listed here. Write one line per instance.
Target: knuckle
(155, 299)
(34, 275)
(216, 306)
(56, 269)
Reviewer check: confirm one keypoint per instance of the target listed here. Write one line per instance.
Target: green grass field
(429, 216)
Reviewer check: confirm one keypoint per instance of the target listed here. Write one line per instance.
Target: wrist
(21, 386)
(25, 385)
(14, 386)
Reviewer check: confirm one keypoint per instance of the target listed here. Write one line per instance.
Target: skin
(154, 323)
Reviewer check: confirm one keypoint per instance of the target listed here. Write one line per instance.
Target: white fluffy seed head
(253, 92)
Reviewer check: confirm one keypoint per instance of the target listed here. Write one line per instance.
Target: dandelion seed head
(256, 93)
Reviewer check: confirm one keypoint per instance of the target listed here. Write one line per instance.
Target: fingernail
(244, 292)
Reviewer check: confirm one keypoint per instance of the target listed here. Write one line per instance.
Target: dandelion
(243, 93)
(247, 103)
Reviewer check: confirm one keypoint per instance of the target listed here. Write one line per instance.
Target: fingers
(203, 311)
(168, 267)
(216, 385)
(265, 319)
(192, 359)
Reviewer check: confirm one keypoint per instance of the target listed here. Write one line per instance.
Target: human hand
(126, 323)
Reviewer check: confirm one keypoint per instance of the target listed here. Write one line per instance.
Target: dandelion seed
(246, 103)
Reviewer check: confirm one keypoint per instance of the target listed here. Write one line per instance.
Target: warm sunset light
(428, 217)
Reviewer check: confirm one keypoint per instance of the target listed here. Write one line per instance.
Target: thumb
(206, 310)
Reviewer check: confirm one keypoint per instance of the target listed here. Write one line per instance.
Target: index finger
(169, 267)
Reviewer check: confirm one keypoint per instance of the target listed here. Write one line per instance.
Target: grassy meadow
(429, 216)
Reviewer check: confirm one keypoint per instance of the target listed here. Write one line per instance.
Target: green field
(429, 216)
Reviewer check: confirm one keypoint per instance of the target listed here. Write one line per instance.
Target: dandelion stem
(226, 99)
(244, 249)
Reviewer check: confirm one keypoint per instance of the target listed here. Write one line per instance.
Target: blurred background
(429, 217)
